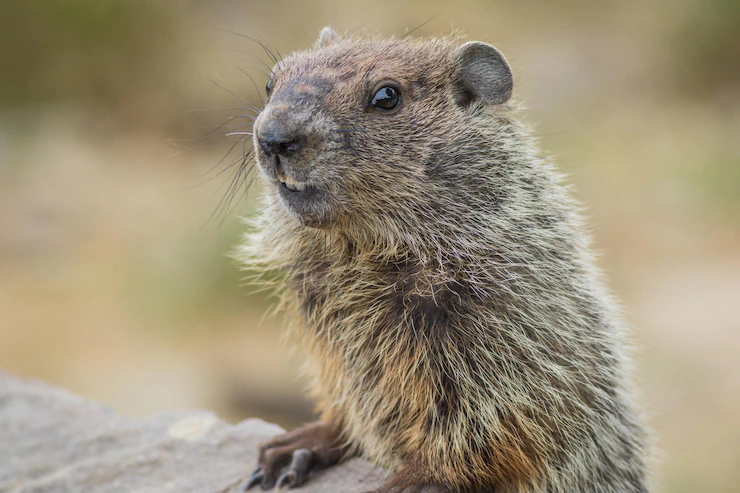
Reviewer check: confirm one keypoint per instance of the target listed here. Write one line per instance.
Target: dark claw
(298, 471)
(287, 478)
(267, 483)
(254, 479)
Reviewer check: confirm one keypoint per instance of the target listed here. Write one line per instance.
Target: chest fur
(376, 336)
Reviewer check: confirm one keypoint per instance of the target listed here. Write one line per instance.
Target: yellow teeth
(292, 185)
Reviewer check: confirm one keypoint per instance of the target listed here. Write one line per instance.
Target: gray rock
(52, 441)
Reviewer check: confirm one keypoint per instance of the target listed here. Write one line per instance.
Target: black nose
(281, 144)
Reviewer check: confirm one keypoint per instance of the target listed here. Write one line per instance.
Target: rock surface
(52, 441)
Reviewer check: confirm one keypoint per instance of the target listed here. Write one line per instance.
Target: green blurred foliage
(704, 48)
(719, 182)
(188, 280)
(98, 55)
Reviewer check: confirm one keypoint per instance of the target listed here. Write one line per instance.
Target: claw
(254, 479)
(287, 478)
(315, 445)
(268, 483)
(297, 472)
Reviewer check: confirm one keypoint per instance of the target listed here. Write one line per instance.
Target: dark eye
(268, 87)
(386, 98)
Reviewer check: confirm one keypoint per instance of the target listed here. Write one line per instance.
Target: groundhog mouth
(287, 181)
(292, 185)
(305, 199)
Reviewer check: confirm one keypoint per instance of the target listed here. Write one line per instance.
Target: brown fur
(441, 279)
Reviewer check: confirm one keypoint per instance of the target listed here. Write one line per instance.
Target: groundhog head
(374, 135)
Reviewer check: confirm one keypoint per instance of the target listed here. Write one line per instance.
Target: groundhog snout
(281, 144)
(280, 134)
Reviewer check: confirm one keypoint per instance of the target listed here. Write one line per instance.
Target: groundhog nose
(281, 144)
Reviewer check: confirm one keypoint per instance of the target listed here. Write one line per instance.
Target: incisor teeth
(294, 186)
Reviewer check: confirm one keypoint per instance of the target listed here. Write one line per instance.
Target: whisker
(252, 67)
(408, 33)
(205, 146)
(229, 91)
(278, 58)
(233, 146)
(222, 110)
(213, 132)
(224, 205)
(267, 51)
(254, 57)
(233, 163)
(254, 213)
(422, 24)
(254, 84)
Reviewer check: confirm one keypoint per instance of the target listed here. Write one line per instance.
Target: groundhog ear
(326, 36)
(481, 74)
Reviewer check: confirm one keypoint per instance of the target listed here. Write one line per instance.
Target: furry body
(444, 287)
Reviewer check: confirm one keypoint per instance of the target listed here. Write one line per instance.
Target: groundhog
(440, 276)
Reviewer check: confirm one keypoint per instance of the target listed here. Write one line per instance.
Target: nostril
(280, 145)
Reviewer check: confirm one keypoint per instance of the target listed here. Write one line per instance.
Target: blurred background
(115, 280)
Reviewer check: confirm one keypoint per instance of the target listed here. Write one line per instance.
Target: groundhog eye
(386, 98)
(268, 87)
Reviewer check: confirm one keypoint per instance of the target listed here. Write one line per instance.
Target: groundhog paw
(311, 446)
